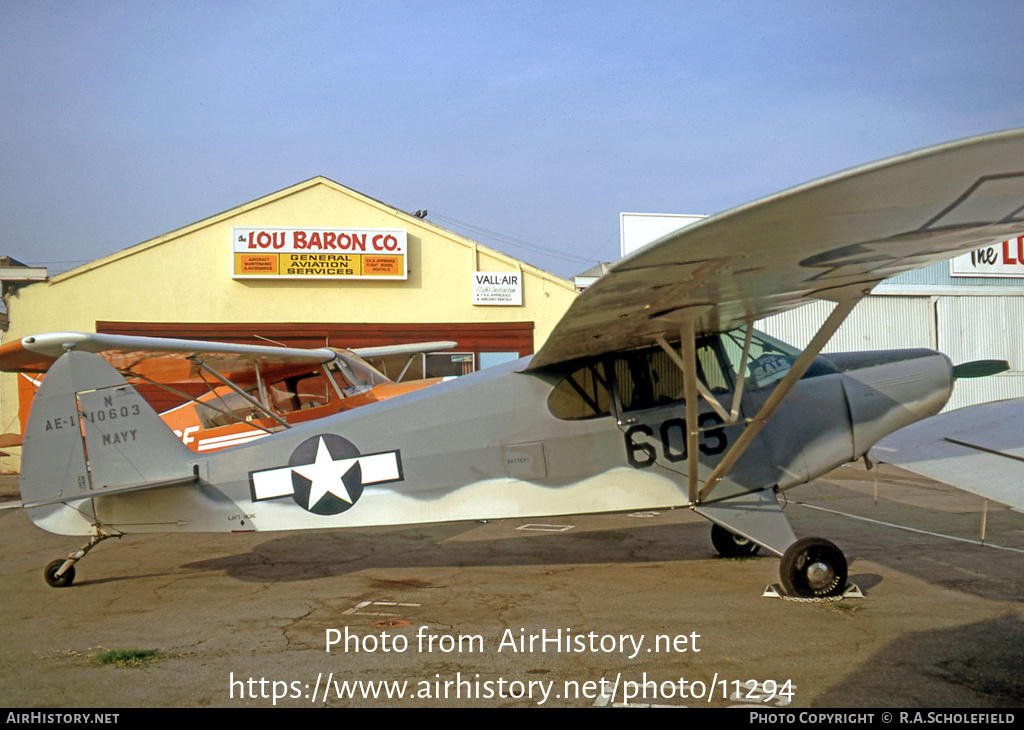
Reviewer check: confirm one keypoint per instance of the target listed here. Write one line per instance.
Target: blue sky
(535, 122)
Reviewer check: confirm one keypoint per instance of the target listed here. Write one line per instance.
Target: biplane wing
(158, 358)
(979, 449)
(209, 370)
(830, 239)
(396, 360)
(170, 359)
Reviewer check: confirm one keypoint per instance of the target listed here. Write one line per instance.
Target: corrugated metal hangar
(970, 308)
(964, 308)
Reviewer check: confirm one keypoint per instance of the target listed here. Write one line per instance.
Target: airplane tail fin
(90, 433)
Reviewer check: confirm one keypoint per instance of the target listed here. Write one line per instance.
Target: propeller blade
(980, 368)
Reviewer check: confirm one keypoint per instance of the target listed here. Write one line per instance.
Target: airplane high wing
(831, 239)
(979, 449)
(233, 393)
(653, 391)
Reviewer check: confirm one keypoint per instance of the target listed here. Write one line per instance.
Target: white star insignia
(326, 475)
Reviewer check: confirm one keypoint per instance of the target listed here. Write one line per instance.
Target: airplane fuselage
(595, 436)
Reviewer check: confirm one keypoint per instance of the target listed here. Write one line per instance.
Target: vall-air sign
(498, 288)
(318, 253)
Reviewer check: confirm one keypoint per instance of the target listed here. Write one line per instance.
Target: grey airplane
(654, 390)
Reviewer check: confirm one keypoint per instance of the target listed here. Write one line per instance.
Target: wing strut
(261, 387)
(681, 359)
(737, 396)
(835, 319)
(242, 393)
(334, 383)
(688, 349)
(408, 364)
(127, 373)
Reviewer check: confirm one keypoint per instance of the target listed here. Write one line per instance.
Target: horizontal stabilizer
(107, 491)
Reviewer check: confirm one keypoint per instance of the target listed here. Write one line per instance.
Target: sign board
(498, 288)
(639, 229)
(1005, 259)
(318, 253)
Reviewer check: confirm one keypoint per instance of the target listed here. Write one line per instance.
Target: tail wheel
(813, 568)
(50, 574)
(730, 545)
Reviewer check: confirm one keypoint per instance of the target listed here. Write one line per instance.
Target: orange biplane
(244, 391)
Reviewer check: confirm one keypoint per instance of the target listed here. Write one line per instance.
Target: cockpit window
(646, 379)
(229, 407)
(581, 394)
(299, 392)
(650, 378)
(345, 376)
(643, 379)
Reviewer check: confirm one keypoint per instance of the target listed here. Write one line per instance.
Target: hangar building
(312, 265)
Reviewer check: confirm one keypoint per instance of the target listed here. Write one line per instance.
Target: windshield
(357, 374)
(768, 361)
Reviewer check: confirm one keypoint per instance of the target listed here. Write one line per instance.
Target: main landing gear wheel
(813, 568)
(50, 574)
(730, 545)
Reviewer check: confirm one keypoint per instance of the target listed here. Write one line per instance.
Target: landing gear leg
(61, 573)
(813, 568)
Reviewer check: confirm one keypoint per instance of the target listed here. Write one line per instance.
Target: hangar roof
(407, 218)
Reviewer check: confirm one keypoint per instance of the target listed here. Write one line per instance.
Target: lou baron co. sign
(318, 253)
(1001, 259)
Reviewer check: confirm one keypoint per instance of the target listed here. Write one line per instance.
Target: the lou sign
(1000, 259)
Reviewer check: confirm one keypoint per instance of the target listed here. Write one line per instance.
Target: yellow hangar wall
(186, 277)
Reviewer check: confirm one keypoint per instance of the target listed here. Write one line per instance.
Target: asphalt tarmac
(621, 609)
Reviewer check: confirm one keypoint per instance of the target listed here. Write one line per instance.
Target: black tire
(50, 574)
(730, 545)
(813, 568)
